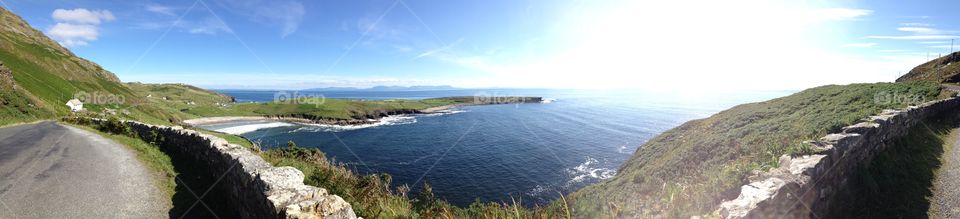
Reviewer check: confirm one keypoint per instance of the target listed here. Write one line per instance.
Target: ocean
(529, 152)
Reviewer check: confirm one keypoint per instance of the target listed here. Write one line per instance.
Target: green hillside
(690, 169)
(17, 104)
(945, 69)
(40, 75)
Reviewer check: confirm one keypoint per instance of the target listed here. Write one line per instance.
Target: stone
(260, 189)
(826, 173)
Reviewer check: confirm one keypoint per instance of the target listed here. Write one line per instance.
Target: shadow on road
(193, 182)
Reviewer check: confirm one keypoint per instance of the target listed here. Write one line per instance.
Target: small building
(75, 105)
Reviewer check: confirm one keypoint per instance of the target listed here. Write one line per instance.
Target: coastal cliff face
(243, 181)
(810, 185)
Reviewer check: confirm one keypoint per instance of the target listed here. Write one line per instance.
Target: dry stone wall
(807, 186)
(242, 181)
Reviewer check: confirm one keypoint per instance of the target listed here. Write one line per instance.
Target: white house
(75, 105)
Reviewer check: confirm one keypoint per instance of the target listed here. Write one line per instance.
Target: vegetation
(940, 70)
(898, 182)
(320, 109)
(373, 197)
(233, 139)
(690, 169)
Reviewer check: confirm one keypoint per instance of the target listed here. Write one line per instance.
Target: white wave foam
(389, 120)
(537, 191)
(547, 100)
(442, 113)
(240, 129)
(622, 149)
(588, 170)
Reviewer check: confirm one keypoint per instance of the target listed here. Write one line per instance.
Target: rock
(813, 181)
(255, 188)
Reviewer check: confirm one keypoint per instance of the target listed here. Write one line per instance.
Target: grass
(941, 70)
(332, 109)
(233, 139)
(898, 182)
(373, 197)
(148, 154)
(690, 169)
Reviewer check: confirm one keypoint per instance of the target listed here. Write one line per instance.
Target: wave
(588, 170)
(441, 113)
(385, 121)
(240, 129)
(623, 149)
(537, 191)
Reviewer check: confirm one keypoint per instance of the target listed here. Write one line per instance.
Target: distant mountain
(387, 88)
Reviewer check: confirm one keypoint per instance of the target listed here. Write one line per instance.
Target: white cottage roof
(74, 102)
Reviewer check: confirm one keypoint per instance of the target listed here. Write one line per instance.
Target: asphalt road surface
(48, 170)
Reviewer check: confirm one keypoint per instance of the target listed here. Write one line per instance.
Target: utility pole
(951, 46)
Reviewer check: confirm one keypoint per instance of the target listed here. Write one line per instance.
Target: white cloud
(945, 46)
(915, 37)
(82, 16)
(860, 45)
(438, 50)
(77, 27)
(74, 31)
(210, 26)
(287, 14)
(835, 14)
(160, 9)
(934, 42)
(917, 17)
(924, 30)
(916, 24)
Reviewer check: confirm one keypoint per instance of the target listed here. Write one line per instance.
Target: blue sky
(292, 44)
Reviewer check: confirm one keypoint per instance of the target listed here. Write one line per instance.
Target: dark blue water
(495, 152)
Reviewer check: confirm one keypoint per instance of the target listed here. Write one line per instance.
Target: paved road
(945, 202)
(48, 170)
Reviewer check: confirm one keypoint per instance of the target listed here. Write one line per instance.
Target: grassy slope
(689, 169)
(177, 102)
(169, 103)
(17, 105)
(45, 75)
(941, 70)
(898, 182)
